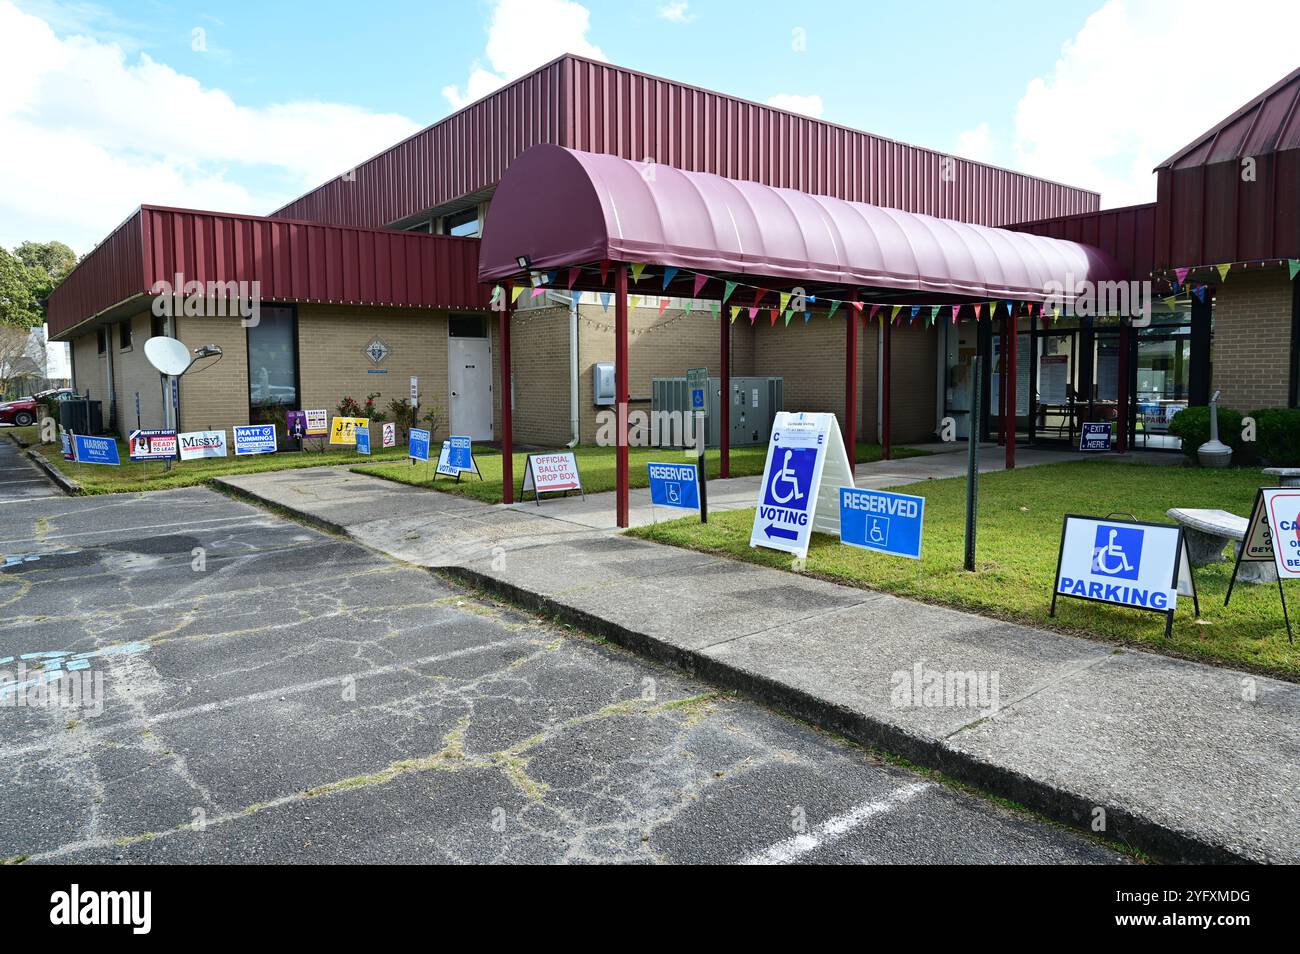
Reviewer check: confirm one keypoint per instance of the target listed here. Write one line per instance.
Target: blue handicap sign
(882, 521)
(419, 440)
(459, 453)
(790, 482)
(674, 485)
(1095, 437)
(363, 440)
(95, 450)
(1117, 551)
(697, 398)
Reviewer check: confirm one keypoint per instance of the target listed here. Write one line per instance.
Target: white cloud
(522, 35)
(977, 144)
(1141, 80)
(676, 12)
(90, 133)
(807, 105)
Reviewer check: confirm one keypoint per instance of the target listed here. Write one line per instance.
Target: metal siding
(596, 107)
(1127, 233)
(111, 273)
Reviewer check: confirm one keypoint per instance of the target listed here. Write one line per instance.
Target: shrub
(400, 409)
(1192, 424)
(1277, 436)
(349, 407)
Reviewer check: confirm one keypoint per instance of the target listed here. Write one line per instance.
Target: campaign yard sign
(1142, 566)
(152, 445)
(806, 466)
(882, 521)
(1094, 437)
(254, 439)
(419, 444)
(389, 436)
(318, 422)
(196, 445)
(674, 485)
(363, 442)
(344, 429)
(295, 424)
(551, 474)
(95, 450)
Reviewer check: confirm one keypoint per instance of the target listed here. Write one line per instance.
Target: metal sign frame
(1259, 514)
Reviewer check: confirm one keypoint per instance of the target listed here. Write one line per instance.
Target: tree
(27, 276)
(17, 363)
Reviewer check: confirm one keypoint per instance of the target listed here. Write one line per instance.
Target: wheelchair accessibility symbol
(1117, 552)
(674, 492)
(791, 477)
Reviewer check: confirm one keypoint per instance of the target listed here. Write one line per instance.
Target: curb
(1070, 808)
(1156, 839)
(61, 480)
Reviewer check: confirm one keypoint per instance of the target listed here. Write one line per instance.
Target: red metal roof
(293, 261)
(597, 107)
(1127, 234)
(1233, 195)
(561, 208)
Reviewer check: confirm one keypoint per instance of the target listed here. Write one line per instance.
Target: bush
(1192, 424)
(348, 407)
(1277, 436)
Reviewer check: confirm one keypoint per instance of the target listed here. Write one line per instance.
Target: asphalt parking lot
(270, 693)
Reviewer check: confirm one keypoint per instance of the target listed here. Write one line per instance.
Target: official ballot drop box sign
(1142, 566)
(806, 466)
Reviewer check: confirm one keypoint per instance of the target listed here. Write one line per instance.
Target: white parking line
(791, 849)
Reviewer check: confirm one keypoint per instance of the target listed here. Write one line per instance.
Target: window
(461, 223)
(466, 326)
(273, 365)
(157, 326)
(101, 339)
(124, 335)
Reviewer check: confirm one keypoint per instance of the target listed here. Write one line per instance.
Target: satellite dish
(168, 355)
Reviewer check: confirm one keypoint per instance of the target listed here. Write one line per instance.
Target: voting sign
(95, 450)
(363, 442)
(152, 445)
(882, 521)
(550, 474)
(389, 436)
(196, 445)
(674, 485)
(254, 439)
(1094, 437)
(806, 466)
(1126, 563)
(419, 444)
(344, 429)
(318, 422)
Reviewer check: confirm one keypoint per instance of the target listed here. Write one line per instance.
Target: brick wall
(215, 394)
(913, 375)
(332, 364)
(1253, 350)
(90, 371)
(133, 373)
(539, 352)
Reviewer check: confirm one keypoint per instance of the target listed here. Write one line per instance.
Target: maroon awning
(559, 207)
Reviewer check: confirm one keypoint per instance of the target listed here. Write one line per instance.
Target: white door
(470, 372)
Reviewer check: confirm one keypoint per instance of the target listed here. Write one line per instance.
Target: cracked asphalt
(269, 693)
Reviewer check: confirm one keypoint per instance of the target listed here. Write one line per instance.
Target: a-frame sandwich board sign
(806, 465)
(1273, 517)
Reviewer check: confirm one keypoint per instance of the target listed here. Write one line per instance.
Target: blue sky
(243, 105)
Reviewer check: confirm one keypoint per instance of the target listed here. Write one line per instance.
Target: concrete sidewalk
(1185, 761)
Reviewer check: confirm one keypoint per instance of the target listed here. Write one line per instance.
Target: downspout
(573, 367)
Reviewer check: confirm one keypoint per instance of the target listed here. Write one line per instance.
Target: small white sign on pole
(551, 474)
(806, 465)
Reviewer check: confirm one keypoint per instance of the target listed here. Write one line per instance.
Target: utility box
(81, 416)
(754, 405)
(602, 383)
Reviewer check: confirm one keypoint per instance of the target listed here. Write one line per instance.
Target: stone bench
(1208, 531)
(1286, 476)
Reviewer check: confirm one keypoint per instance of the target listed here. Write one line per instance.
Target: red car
(22, 412)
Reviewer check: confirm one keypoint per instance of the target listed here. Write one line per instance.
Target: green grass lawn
(1018, 541)
(26, 436)
(131, 477)
(596, 464)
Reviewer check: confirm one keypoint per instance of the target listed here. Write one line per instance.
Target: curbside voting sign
(1282, 510)
(674, 485)
(882, 521)
(806, 466)
(1142, 566)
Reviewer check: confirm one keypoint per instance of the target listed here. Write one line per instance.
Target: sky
(242, 106)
